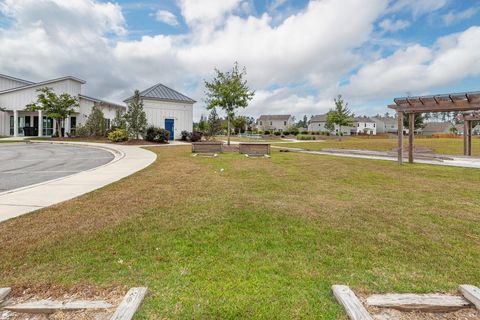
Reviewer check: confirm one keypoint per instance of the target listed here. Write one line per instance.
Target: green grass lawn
(441, 146)
(264, 238)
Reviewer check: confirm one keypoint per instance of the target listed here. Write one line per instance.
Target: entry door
(169, 126)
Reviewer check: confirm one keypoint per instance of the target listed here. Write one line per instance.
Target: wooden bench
(255, 149)
(208, 148)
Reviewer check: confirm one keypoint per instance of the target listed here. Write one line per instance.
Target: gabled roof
(437, 127)
(362, 119)
(319, 118)
(15, 79)
(269, 117)
(163, 93)
(386, 120)
(101, 101)
(36, 84)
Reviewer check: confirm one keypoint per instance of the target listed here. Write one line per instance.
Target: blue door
(169, 124)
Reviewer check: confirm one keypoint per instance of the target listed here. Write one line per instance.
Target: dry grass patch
(262, 238)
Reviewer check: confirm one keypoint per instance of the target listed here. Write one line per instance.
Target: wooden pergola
(468, 102)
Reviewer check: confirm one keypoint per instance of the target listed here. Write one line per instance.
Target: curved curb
(127, 161)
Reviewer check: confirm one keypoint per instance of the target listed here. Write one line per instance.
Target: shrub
(304, 132)
(286, 133)
(277, 133)
(158, 135)
(195, 136)
(81, 131)
(305, 137)
(266, 132)
(117, 135)
(184, 135)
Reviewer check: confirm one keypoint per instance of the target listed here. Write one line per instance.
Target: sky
(298, 55)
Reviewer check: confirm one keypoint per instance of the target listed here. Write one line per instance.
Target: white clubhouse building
(164, 107)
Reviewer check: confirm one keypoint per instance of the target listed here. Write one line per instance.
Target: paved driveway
(26, 164)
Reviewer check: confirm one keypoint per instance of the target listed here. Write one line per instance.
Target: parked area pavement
(424, 158)
(110, 163)
(23, 164)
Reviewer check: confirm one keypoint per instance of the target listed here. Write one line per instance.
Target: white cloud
(167, 17)
(389, 25)
(417, 68)
(417, 7)
(455, 16)
(210, 11)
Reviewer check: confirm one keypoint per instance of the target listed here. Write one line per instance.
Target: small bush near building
(82, 131)
(305, 137)
(159, 135)
(266, 132)
(286, 133)
(184, 135)
(195, 136)
(277, 133)
(304, 132)
(117, 135)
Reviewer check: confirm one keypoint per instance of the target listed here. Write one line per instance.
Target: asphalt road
(26, 164)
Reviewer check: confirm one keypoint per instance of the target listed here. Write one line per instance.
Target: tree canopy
(340, 115)
(55, 106)
(228, 91)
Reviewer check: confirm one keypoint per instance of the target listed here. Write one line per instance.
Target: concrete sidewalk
(127, 160)
(442, 160)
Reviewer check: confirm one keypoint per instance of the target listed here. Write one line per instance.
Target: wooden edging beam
(350, 302)
(4, 292)
(418, 302)
(471, 293)
(130, 303)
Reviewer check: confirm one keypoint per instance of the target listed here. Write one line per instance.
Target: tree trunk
(228, 129)
(59, 128)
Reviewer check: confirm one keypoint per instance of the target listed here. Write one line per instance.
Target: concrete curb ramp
(128, 160)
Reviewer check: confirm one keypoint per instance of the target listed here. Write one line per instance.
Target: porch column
(67, 125)
(411, 132)
(15, 123)
(54, 127)
(400, 137)
(465, 137)
(40, 123)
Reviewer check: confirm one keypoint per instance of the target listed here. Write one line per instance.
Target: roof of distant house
(319, 118)
(362, 119)
(163, 93)
(386, 120)
(270, 117)
(436, 127)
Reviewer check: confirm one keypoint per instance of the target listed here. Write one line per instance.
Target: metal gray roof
(319, 118)
(164, 93)
(268, 117)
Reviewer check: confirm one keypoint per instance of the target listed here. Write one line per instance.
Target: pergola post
(411, 132)
(400, 137)
(465, 137)
(469, 146)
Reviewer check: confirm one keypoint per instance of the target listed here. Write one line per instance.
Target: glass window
(47, 126)
(11, 126)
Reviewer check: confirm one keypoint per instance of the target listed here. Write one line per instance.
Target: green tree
(214, 123)
(203, 124)
(119, 120)
(135, 118)
(418, 121)
(239, 123)
(54, 106)
(95, 124)
(228, 91)
(340, 115)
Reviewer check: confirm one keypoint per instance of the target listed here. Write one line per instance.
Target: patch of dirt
(50, 292)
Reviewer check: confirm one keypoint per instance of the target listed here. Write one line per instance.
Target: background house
(431, 128)
(168, 109)
(274, 122)
(16, 93)
(318, 123)
(364, 125)
(386, 124)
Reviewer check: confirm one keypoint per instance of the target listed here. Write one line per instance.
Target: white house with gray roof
(275, 122)
(164, 107)
(16, 93)
(168, 109)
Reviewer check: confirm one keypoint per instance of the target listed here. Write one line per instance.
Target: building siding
(158, 111)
